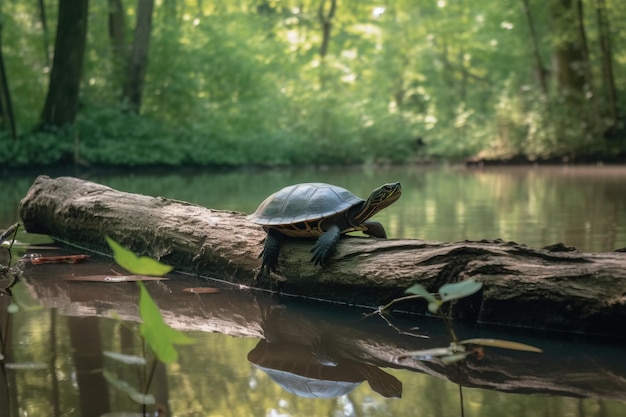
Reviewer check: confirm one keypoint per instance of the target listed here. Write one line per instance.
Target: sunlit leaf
(418, 289)
(139, 265)
(504, 344)
(459, 289)
(127, 359)
(133, 393)
(158, 335)
(434, 306)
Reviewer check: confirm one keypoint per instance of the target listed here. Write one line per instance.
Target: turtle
(322, 211)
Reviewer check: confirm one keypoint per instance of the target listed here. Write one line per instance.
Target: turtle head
(380, 198)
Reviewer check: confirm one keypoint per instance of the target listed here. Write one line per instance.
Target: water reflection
(247, 341)
(299, 370)
(322, 368)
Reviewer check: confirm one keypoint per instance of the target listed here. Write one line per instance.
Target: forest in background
(243, 82)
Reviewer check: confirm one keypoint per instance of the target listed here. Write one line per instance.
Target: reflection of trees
(214, 378)
(86, 345)
(8, 391)
(537, 207)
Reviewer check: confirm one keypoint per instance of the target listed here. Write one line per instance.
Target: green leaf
(160, 337)
(138, 265)
(459, 289)
(434, 306)
(433, 303)
(418, 289)
(504, 344)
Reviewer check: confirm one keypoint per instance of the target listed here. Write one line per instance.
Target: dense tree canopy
(315, 81)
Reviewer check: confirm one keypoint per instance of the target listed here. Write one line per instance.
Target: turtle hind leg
(325, 245)
(271, 249)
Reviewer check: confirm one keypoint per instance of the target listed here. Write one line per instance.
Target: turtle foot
(325, 246)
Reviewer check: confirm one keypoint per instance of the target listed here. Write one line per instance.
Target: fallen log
(555, 288)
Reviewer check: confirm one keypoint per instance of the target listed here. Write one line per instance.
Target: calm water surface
(57, 337)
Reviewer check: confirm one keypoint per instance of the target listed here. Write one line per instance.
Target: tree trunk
(568, 57)
(326, 20)
(117, 37)
(7, 118)
(61, 105)
(604, 35)
(555, 288)
(540, 68)
(44, 28)
(588, 89)
(138, 62)
(87, 348)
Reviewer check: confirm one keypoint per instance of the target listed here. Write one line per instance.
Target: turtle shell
(305, 203)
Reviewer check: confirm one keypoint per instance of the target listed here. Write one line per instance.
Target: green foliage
(160, 337)
(447, 292)
(36, 148)
(140, 265)
(237, 83)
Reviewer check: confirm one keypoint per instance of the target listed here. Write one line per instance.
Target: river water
(55, 341)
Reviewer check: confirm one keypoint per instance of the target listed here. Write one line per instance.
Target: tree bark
(7, 117)
(555, 288)
(138, 62)
(568, 55)
(326, 20)
(604, 35)
(117, 37)
(61, 105)
(44, 29)
(540, 68)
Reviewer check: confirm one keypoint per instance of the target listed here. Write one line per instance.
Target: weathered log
(555, 288)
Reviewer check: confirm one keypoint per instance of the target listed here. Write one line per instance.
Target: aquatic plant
(157, 335)
(458, 349)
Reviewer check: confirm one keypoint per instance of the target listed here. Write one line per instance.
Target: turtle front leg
(375, 229)
(325, 245)
(271, 249)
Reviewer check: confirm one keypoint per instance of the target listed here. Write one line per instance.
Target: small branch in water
(387, 306)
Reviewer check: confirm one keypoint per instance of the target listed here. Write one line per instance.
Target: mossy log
(556, 288)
